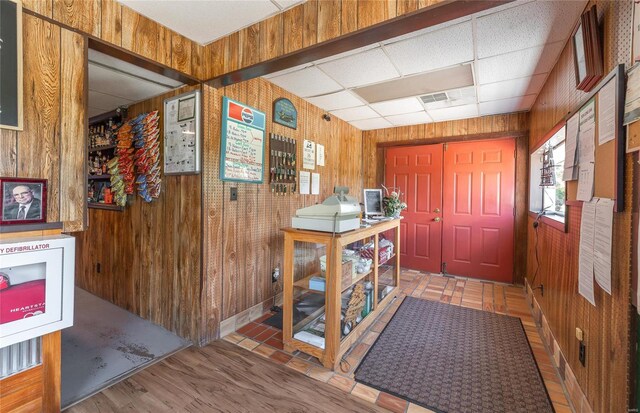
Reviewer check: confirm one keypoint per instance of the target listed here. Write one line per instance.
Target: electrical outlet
(582, 355)
(275, 275)
(98, 268)
(233, 194)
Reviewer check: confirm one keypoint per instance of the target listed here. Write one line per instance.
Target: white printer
(338, 213)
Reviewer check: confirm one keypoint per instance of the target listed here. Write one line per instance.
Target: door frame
(521, 183)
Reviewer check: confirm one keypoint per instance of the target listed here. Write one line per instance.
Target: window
(547, 190)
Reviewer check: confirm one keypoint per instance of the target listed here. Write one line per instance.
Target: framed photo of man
(23, 201)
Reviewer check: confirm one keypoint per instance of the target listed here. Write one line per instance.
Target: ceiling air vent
(434, 97)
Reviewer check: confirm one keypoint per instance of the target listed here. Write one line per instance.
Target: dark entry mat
(455, 359)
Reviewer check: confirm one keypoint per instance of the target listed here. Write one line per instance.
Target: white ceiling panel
(361, 69)
(107, 102)
(116, 83)
(496, 107)
(511, 88)
(409, 118)
(285, 4)
(528, 25)
(102, 59)
(361, 112)
(457, 112)
(341, 100)
(307, 82)
(522, 63)
(206, 20)
(285, 71)
(369, 124)
(397, 107)
(443, 48)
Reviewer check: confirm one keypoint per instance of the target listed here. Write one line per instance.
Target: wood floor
(221, 377)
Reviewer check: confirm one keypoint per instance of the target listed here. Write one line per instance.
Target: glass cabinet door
(309, 292)
(388, 270)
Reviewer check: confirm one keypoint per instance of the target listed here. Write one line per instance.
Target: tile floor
(499, 298)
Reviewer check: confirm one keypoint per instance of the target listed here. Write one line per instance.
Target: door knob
(437, 210)
(437, 219)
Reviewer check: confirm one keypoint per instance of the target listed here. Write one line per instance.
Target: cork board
(609, 167)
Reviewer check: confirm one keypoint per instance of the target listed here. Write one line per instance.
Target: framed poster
(11, 67)
(242, 143)
(285, 113)
(36, 287)
(182, 134)
(23, 200)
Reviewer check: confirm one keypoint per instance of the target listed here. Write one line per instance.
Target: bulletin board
(609, 157)
(11, 57)
(243, 142)
(182, 134)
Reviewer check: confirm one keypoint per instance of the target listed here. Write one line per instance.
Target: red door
(478, 213)
(417, 172)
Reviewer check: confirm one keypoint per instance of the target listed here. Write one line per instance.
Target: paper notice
(585, 265)
(602, 243)
(585, 182)
(607, 112)
(309, 155)
(315, 184)
(305, 178)
(570, 148)
(320, 155)
(587, 136)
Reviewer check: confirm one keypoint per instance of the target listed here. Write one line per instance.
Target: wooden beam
(408, 23)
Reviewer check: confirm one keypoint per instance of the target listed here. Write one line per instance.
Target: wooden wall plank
(23, 391)
(371, 12)
(329, 12)
(51, 359)
(82, 15)
(249, 49)
(181, 53)
(39, 142)
(406, 6)
(141, 34)
(9, 151)
(165, 47)
(111, 23)
(310, 29)
(73, 131)
(271, 37)
(349, 14)
(292, 22)
(231, 52)
(43, 7)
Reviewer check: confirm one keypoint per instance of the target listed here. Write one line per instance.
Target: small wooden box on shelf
(102, 148)
(316, 320)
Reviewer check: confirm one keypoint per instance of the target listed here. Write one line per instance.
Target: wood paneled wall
(52, 144)
(149, 254)
(487, 127)
(307, 24)
(604, 380)
(242, 239)
(110, 21)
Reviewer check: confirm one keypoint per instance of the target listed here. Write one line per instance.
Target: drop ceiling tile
(347, 53)
(307, 82)
(358, 113)
(341, 100)
(105, 101)
(397, 107)
(435, 50)
(369, 124)
(409, 118)
(361, 69)
(527, 25)
(101, 59)
(286, 4)
(426, 30)
(121, 84)
(517, 104)
(456, 112)
(522, 63)
(204, 20)
(511, 88)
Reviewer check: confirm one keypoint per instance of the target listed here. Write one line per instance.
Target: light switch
(579, 334)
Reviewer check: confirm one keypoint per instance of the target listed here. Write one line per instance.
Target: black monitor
(373, 202)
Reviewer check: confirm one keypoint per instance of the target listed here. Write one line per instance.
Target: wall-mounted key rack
(282, 164)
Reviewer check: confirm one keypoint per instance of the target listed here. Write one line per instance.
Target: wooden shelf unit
(335, 345)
